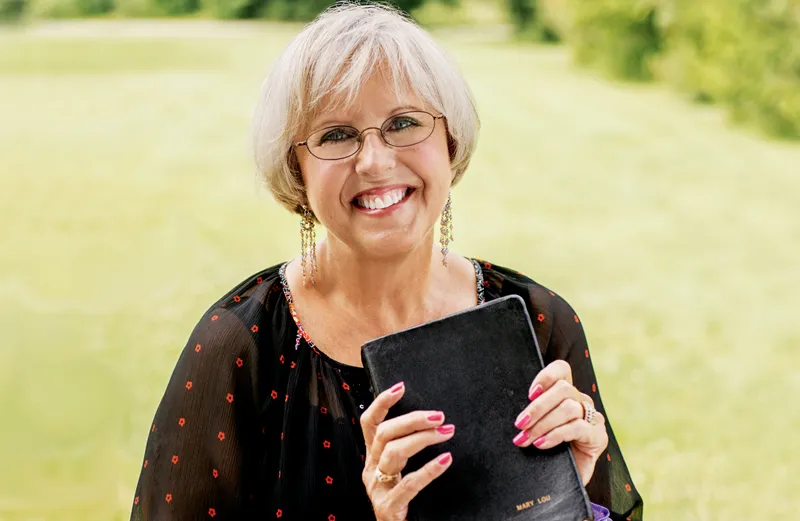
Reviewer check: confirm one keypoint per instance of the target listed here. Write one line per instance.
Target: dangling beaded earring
(308, 245)
(446, 236)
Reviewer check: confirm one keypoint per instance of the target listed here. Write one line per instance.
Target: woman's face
(340, 192)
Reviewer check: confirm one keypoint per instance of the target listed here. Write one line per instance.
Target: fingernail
(435, 417)
(446, 429)
(522, 420)
(535, 392)
(521, 438)
(445, 459)
(396, 388)
(539, 441)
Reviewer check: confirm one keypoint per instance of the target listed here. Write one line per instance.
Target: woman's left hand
(556, 415)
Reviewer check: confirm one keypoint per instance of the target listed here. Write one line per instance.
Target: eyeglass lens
(400, 130)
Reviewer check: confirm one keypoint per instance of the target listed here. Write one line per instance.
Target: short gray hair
(329, 61)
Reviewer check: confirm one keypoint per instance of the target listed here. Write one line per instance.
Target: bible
(476, 366)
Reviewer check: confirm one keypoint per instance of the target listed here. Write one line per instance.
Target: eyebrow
(333, 122)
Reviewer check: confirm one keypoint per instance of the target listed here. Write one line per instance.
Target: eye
(402, 123)
(336, 135)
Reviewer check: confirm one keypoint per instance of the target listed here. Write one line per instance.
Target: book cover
(476, 366)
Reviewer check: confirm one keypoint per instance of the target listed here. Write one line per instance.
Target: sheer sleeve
(611, 484)
(196, 458)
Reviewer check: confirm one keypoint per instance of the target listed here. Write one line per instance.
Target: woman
(363, 126)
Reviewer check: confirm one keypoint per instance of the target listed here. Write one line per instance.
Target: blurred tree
(290, 10)
(11, 10)
(175, 7)
(67, 8)
(619, 36)
(529, 23)
(296, 10)
(232, 9)
(744, 54)
(93, 7)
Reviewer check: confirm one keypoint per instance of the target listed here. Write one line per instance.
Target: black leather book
(476, 366)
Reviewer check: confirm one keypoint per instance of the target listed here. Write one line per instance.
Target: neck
(391, 292)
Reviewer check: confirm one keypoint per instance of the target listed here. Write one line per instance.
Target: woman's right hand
(390, 444)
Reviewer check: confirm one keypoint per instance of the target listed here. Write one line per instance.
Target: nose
(375, 156)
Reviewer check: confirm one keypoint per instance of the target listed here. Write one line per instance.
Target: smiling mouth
(383, 201)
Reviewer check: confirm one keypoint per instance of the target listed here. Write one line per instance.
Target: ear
(300, 210)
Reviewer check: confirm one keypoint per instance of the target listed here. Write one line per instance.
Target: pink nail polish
(539, 441)
(435, 417)
(396, 388)
(446, 429)
(522, 420)
(535, 392)
(445, 459)
(521, 438)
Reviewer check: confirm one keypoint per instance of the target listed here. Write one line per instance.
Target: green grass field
(128, 205)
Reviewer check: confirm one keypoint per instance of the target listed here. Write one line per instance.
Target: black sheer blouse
(257, 423)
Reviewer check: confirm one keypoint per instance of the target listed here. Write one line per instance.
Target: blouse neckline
(301, 332)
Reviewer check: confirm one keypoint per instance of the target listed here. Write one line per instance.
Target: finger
(547, 377)
(378, 410)
(576, 430)
(599, 419)
(398, 428)
(549, 400)
(411, 484)
(567, 411)
(395, 455)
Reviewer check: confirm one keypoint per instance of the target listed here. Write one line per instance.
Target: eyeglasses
(341, 141)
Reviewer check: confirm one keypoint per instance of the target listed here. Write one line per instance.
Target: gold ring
(380, 477)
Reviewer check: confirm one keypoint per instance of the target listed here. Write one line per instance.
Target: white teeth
(374, 202)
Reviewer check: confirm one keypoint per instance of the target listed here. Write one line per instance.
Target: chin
(392, 245)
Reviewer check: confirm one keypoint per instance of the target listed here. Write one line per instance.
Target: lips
(382, 198)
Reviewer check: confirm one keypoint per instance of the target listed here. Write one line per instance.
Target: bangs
(339, 72)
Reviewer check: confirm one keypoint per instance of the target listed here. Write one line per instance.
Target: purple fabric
(600, 513)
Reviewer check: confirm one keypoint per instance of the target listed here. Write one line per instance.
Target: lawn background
(128, 205)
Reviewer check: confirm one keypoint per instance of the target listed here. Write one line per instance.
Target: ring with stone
(589, 411)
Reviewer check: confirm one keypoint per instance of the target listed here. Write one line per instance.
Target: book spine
(365, 359)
